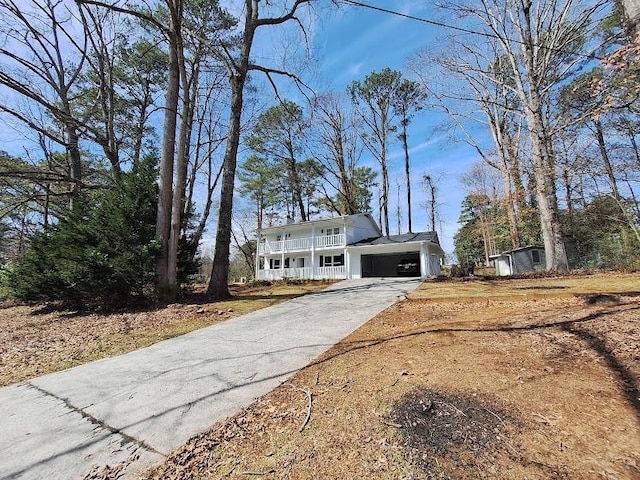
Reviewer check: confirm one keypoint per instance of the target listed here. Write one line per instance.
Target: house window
(274, 263)
(301, 262)
(535, 256)
(332, 260)
(286, 262)
(278, 238)
(333, 231)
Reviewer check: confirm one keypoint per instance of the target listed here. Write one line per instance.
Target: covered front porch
(328, 264)
(304, 273)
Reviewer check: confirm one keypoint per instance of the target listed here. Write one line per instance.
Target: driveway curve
(134, 409)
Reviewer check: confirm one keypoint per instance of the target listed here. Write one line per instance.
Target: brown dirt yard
(35, 340)
(501, 379)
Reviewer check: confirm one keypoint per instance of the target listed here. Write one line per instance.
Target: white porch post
(347, 259)
(284, 234)
(347, 262)
(313, 252)
(257, 256)
(344, 229)
(424, 260)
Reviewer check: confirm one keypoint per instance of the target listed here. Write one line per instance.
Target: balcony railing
(301, 244)
(330, 241)
(305, 273)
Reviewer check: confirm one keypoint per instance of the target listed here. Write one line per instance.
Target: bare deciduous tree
(539, 44)
(238, 63)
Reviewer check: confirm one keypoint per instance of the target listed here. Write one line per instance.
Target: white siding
(313, 240)
(362, 228)
(355, 268)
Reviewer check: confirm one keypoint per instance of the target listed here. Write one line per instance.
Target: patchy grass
(509, 379)
(35, 340)
(522, 289)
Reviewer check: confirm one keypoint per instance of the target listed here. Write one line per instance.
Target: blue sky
(348, 44)
(355, 41)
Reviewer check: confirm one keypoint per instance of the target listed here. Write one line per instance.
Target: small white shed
(520, 260)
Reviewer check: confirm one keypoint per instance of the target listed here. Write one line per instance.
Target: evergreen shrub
(102, 254)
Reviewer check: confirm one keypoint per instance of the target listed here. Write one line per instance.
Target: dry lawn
(502, 379)
(35, 340)
(519, 379)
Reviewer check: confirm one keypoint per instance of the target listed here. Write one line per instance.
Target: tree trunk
(165, 183)
(542, 153)
(139, 127)
(606, 160)
(632, 139)
(513, 188)
(544, 172)
(385, 185)
(75, 159)
(218, 287)
(407, 172)
(566, 180)
(197, 235)
(346, 184)
(190, 90)
(297, 185)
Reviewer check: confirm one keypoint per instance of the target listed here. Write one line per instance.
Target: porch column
(257, 256)
(313, 252)
(424, 260)
(344, 229)
(284, 235)
(347, 262)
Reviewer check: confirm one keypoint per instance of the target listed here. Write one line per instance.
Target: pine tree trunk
(182, 164)
(297, 185)
(346, 186)
(513, 189)
(165, 184)
(385, 186)
(407, 167)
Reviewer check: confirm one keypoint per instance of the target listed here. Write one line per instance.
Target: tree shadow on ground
(630, 384)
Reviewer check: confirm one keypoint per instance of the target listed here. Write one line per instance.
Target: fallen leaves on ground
(35, 340)
(499, 387)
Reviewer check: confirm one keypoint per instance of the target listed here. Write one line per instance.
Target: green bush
(103, 253)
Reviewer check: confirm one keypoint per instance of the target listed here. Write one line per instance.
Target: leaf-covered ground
(535, 379)
(498, 379)
(35, 340)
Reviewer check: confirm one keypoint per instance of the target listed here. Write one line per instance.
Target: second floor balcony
(267, 246)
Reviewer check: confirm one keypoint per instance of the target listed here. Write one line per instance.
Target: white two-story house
(351, 246)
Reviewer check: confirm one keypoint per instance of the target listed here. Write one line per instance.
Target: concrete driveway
(136, 408)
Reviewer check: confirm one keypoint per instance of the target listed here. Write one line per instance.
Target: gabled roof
(404, 238)
(515, 250)
(327, 221)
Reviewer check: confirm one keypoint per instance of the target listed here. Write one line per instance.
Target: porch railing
(303, 273)
(330, 240)
(267, 247)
